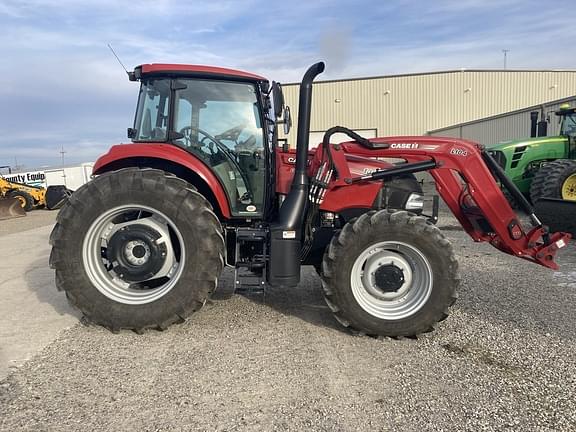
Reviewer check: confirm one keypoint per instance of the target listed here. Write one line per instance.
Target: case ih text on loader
(204, 184)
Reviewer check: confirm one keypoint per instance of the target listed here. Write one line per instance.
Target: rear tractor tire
(137, 249)
(390, 274)
(555, 180)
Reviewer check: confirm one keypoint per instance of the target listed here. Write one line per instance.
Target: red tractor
(205, 185)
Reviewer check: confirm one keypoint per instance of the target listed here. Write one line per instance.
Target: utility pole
(505, 51)
(62, 153)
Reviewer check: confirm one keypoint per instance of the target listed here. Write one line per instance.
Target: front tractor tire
(390, 274)
(137, 249)
(555, 179)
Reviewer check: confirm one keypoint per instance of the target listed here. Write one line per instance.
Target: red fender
(169, 153)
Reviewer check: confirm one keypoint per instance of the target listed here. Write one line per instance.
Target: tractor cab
(218, 115)
(567, 120)
(567, 116)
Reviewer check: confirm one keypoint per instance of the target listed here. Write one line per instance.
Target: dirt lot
(504, 359)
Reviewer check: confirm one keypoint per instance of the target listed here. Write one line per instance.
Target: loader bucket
(557, 214)
(11, 208)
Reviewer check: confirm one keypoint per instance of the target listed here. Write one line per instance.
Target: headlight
(414, 202)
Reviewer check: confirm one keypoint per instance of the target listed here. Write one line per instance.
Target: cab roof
(197, 71)
(565, 111)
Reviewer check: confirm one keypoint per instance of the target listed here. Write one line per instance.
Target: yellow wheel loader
(18, 198)
(28, 196)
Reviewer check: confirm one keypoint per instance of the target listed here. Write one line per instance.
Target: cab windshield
(568, 125)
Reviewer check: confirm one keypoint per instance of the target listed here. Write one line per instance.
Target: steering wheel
(187, 132)
(230, 155)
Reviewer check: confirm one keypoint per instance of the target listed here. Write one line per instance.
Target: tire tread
(336, 254)
(177, 193)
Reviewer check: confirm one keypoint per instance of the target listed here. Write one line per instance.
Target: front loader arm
(466, 184)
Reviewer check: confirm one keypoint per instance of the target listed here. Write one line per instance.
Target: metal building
(508, 126)
(415, 104)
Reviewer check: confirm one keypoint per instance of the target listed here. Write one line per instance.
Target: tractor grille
(518, 153)
(499, 157)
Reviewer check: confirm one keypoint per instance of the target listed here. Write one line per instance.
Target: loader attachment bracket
(545, 253)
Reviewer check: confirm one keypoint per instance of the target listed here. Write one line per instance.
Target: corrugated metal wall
(505, 127)
(416, 104)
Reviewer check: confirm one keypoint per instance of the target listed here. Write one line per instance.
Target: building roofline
(506, 114)
(450, 71)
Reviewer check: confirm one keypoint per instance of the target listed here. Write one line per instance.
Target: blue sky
(61, 86)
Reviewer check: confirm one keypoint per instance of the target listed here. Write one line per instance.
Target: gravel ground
(33, 219)
(504, 359)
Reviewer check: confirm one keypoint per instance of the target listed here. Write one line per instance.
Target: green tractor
(544, 168)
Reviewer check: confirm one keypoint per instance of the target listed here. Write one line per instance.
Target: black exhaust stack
(542, 124)
(285, 234)
(533, 124)
(542, 128)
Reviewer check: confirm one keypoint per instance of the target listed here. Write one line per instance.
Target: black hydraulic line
(346, 131)
(396, 171)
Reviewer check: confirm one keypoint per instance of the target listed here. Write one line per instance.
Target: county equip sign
(32, 178)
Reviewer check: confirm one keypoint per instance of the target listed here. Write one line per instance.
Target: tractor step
(251, 258)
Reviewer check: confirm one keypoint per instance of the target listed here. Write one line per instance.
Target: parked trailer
(72, 177)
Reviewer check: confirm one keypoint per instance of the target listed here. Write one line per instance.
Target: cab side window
(219, 123)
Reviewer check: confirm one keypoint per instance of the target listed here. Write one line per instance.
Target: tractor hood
(522, 158)
(506, 146)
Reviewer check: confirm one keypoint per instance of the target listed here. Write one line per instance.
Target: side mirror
(278, 97)
(287, 120)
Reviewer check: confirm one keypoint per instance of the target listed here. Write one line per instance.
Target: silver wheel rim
(411, 295)
(104, 273)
